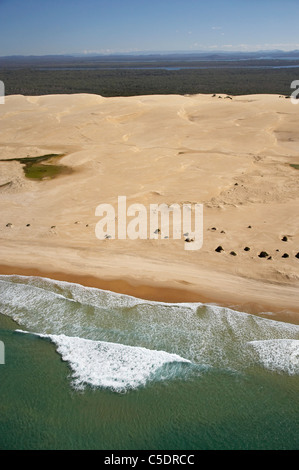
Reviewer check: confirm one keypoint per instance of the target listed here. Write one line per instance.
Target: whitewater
(121, 343)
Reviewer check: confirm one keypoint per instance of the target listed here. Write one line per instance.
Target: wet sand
(257, 305)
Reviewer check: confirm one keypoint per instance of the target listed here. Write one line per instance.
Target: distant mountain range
(194, 55)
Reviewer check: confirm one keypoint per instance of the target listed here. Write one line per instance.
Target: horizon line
(144, 53)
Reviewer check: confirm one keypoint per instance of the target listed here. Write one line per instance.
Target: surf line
(145, 222)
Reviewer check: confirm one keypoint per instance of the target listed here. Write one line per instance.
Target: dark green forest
(142, 76)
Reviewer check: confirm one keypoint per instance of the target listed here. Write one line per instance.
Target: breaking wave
(120, 342)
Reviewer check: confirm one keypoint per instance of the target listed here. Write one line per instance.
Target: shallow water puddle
(34, 167)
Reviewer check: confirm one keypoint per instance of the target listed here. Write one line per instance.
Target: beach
(231, 154)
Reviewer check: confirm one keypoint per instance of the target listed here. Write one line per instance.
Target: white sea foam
(114, 366)
(278, 355)
(203, 334)
(89, 295)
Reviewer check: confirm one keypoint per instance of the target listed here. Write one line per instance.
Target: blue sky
(108, 26)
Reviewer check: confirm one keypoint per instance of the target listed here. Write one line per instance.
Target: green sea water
(90, 369)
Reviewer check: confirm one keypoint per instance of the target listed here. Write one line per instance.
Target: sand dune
(232, 155)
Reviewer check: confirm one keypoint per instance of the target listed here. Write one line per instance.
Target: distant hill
(179, 56)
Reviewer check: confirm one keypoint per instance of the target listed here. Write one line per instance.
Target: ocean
(91, 369)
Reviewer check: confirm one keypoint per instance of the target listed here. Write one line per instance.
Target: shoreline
(160, 293)
(119, 286)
